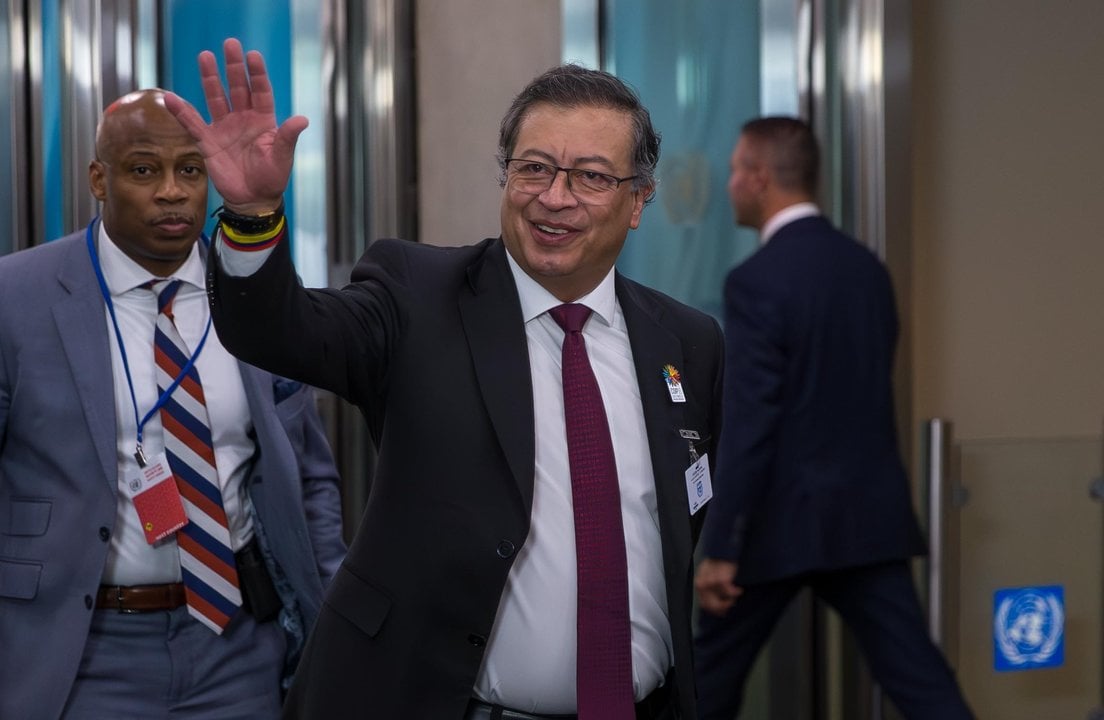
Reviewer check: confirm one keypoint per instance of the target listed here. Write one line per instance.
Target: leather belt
(140, 598)
(259, 596)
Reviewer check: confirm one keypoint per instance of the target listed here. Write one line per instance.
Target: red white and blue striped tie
(206, 557)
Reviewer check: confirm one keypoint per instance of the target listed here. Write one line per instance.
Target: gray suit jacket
(58, 477)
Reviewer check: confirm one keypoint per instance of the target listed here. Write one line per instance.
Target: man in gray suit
(108, 556)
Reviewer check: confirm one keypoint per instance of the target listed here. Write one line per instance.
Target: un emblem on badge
(1028, 628)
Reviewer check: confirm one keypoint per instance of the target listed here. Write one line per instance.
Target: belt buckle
(119, 602)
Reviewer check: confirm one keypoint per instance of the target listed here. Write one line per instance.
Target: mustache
(173, 218)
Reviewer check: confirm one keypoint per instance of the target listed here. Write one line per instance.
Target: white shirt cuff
(241, 263)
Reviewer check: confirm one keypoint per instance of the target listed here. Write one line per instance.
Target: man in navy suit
(96, 618)
(810, 487)
(458, 597)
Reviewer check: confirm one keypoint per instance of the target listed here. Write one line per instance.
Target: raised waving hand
(248, 156)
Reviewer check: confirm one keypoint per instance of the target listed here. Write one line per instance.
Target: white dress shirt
(131, 560)
(529, 662)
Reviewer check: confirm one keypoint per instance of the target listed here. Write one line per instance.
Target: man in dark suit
(459, 597)
(811, 490)
(98, 617)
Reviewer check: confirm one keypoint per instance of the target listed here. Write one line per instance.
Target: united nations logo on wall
(685, 187)
(1028, 628)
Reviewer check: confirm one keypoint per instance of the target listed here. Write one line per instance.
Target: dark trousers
(879, 604)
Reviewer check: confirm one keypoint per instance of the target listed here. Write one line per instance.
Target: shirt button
(505, 549)
(477, 640)
(105, 534)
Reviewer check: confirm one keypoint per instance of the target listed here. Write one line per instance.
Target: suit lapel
(79, 317)
(653, 347)
(491, 313)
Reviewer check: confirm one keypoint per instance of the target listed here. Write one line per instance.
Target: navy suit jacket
(809, 475)
(58, 476)
(430, 343)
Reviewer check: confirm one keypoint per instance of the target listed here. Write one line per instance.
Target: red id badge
(155, 497)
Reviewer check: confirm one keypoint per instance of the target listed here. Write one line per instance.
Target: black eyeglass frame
(567, 173)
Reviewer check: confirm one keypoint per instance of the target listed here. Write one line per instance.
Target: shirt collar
(123, 274)
(535, 300)
(785, 216)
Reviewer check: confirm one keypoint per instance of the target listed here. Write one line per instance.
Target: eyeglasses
(589, 186)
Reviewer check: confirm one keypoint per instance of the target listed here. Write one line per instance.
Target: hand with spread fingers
(249, 157)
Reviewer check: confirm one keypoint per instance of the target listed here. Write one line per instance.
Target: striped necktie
(206, 557)
(604, 683)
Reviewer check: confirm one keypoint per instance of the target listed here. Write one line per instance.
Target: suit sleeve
(755, 370)
(338, 340)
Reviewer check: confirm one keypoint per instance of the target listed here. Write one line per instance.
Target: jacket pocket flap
(19, 580)
(358, 601)
(27, 516)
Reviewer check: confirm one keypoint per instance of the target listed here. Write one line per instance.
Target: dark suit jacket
(809, 474)
(429, 342)
(59, 485)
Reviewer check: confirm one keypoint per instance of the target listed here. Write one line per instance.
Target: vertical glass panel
(145, 45)
(52, 89)
(292, 52)
(779, 50)
(696, 65)
(580, 32)
(7, 143)
(309, 198)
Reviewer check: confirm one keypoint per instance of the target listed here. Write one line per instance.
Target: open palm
(248, 157)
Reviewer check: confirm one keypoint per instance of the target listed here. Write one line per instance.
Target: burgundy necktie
(604, 660)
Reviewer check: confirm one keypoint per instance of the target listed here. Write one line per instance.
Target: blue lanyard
(138, 454)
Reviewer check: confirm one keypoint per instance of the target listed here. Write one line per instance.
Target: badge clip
(140, 456)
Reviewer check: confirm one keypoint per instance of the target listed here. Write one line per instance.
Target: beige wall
(473, 57)
(1008, 247)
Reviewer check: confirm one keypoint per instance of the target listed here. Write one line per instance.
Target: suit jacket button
(477, 640)
(505, 549)
(88, 601)
(105, 534)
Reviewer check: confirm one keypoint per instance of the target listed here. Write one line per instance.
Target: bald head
(121, 115)
(151, 180)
